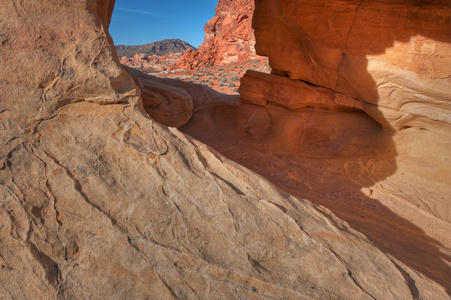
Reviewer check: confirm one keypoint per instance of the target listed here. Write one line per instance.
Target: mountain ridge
(155, 48)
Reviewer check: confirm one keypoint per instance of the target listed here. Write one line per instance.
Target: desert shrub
(234, 77)
(222, 84)
(230, 84)
(223, 79)
(235, 90)
(210, 83)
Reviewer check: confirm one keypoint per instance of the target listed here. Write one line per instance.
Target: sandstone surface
(354, 117)
(164, 103)
(393, 58)
(99, 201)
(228, 37)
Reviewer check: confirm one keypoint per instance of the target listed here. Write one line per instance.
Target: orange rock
(393, 58)
(228, 37)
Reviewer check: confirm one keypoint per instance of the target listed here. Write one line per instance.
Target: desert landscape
(301, 152)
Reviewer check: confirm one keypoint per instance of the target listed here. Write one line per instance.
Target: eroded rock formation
(356, 116)
(389, 59)
(228, 37)
(97, 200)
(150, 63)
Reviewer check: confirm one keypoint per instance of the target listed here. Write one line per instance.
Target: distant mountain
(155, 48)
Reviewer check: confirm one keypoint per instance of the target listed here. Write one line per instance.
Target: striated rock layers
(391, 60)
(228, 37)
(98, 201)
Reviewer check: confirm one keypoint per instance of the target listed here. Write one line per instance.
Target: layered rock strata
(392, 58)
(228, 37)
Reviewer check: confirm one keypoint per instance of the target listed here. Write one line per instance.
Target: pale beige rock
(148, 212)
(80, 62)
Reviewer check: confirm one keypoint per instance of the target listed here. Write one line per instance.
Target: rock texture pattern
(228, 37)
(354, 117)
(396, 68)
(98, 201)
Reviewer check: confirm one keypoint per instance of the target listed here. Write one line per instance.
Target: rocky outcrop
(150, 63)
(82, 64)
(97, 200)
(150, 213)
(395, 68)
(228, 37)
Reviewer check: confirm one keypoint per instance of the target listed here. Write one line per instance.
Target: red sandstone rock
(261, 89)
(228, 37)
(392, 57)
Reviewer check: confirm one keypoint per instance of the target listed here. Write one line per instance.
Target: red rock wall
(391, 58)
(355, 46)
(228, 36)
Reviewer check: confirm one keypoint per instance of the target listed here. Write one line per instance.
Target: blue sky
(137, 22)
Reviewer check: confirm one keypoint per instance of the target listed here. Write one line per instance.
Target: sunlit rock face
(228, 37)
(382, 52)
(64, 60)
(390, 59)
(99, 201)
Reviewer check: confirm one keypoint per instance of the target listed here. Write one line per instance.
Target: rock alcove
(100, 201)
(335, 121)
